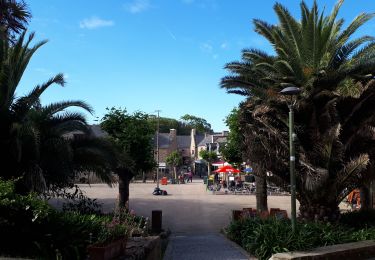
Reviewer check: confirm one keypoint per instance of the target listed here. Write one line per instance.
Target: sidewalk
(203, 247)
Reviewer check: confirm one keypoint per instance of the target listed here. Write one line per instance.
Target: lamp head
(290, 91)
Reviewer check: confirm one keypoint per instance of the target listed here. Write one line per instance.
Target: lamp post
(157, 150)
(292, 91)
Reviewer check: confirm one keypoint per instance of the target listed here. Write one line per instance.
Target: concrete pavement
(195, 216)
(203, 247)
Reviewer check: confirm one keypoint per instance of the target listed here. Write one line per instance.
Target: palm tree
(335, 73)
(17, 133)
(14, 16)
(67, 147)
(34, 141)
(249, 80)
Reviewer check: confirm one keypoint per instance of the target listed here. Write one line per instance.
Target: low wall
(356, 250)
(143, 248)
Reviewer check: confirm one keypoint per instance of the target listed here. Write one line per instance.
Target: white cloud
(95, 22)
(224, 45)
(206, 47)
(209, 49)
(137, 6)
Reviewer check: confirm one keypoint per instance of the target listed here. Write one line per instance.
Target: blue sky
(148, 54)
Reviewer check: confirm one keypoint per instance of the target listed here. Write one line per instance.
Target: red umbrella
(227, 169)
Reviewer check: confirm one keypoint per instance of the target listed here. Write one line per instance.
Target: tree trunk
(365, 197)
(123, 188)
(319, 210)
(175, 172)
(208, 168)
(261, 193)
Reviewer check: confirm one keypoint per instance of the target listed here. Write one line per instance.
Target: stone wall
(356, 250)
(143, 248)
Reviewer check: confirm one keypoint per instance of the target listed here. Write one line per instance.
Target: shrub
(76, 201)
(29, 223)
(68, 233)
(263, 238)
(20, 220)
(359, 219)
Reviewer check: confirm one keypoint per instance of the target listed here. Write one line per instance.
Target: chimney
(193, 132)
(173, 140)
(172, 133)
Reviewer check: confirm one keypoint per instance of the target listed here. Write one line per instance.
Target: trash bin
(205, 179)
(164, 181)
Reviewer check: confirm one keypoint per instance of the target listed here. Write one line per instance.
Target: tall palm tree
(250, 80)
(34, 139)
(335, 74)
(14, 16)
(67, 147)
(16, 130)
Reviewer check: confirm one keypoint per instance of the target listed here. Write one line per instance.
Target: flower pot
(107, 251)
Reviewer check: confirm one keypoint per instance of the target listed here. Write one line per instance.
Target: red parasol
(227, 169)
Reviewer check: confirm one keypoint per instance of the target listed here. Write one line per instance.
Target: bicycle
(214, 187)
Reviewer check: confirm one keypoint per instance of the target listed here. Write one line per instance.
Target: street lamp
(292, 91)
(157, 150)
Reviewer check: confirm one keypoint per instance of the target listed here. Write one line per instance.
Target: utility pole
(157, 149)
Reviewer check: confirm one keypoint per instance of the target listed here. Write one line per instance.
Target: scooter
(158, 191)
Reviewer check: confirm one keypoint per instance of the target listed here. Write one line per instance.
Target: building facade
(189, 147)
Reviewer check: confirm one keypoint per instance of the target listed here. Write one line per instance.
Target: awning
(162, 165)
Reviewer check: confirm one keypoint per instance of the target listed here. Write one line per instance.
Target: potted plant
(111, 240)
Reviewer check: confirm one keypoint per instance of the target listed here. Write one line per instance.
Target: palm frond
(355, 24)
(54, 108)
(264, 29)
(352, 171)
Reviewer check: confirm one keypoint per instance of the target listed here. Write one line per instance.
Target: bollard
(156, 221)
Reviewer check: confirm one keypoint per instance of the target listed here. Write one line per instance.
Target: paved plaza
(194, 216)
(188, 208)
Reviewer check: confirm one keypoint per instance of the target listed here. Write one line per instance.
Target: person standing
(191, 176)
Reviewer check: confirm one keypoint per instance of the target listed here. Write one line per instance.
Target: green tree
(209, 157)
(183, 126)
(165, 124)
(232, 151)
(200, 124)
(132, 134)
(174, 159)
(335, 73)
